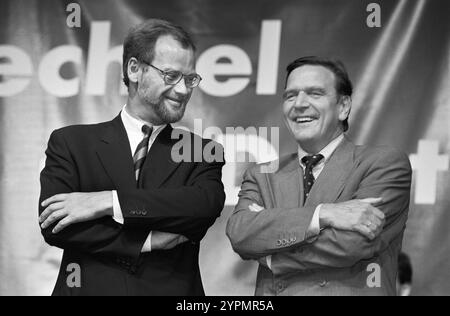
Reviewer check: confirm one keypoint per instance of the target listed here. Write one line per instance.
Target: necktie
(308, 179)
(141, 151)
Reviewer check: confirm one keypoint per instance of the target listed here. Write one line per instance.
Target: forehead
(170, 53)
(311, 76)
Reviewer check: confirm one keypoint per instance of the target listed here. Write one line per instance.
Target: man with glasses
(124, 212)
(330, 221)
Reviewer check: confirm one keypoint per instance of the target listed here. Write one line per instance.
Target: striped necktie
(141, 151)
(308, 179)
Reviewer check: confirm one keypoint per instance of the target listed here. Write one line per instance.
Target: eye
(191, 78)
(290, 96)
(172, 75)
(316, 94)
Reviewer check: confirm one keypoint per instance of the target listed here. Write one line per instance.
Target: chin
(304, 139)
(303, 135)
(171, 115)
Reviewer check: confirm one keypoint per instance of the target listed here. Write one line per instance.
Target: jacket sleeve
(390, 178)
(99, 237)
(254, 235)
(188, 210)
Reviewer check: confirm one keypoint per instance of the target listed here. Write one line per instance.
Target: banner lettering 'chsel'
(227, 61)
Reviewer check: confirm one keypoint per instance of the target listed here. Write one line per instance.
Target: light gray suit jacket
(336, 262)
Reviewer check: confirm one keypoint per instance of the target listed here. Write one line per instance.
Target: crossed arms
(85, 219)
(381, 199)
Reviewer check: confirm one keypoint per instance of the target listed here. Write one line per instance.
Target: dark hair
(141, 39)
(343, 87)
(405, 271)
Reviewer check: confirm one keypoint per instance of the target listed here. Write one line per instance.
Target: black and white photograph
(234, 151)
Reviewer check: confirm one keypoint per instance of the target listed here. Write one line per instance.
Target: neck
(141, 111)
(312, 148)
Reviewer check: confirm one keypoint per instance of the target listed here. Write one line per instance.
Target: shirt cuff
(118, 216)
(269, 262)
(148, 244)
(314, 228)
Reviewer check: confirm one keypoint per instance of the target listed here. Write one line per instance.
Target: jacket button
(323, 283)
(279, 243)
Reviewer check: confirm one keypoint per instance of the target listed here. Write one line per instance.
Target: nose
(180, 88)
(301, 101)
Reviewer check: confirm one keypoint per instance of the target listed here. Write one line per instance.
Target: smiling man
(111, 196)
(330, 221)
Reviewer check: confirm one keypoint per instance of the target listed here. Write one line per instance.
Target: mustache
(295, 114)
(177, 98)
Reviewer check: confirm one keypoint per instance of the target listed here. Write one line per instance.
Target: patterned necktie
(141, 151)
(308, 179)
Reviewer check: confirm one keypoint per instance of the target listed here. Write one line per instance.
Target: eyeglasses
(173, 77)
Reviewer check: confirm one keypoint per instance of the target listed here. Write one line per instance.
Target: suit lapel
(115, 155)
(330, 183)
(159, 164)
(287, 184)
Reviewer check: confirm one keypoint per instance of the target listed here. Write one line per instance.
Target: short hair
(405, 270)
(344, 86)
(141, 39)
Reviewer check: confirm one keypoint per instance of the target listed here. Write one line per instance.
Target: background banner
(58, 70)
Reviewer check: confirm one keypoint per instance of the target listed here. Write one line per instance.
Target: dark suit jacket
(183, 198)
(337, 262)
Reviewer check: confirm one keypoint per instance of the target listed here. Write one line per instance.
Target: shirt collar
(326, 152)
(134, 125)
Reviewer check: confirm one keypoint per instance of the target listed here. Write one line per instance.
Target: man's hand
(71, 208)
(356, 215)
(255, 208)
(166, 241)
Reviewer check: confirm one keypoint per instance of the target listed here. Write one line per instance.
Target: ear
(345, 107)
(133, 70)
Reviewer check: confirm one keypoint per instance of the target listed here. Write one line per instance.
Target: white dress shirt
(314, 228)
(133, 127)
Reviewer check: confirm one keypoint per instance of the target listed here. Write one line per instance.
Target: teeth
(304, 119)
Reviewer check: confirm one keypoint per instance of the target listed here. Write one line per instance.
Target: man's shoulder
(380, 154)
(193, 147)
(185, 135)
(80, 133)
(274, 166)
(79, 128)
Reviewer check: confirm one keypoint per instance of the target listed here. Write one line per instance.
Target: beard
(163, 110)
(168, 114)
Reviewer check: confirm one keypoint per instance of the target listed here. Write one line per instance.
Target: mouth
(175, 102)
(304, 119)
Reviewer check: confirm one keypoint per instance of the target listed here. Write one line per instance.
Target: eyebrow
(287, 92)
(307, 89)
(316, 88)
